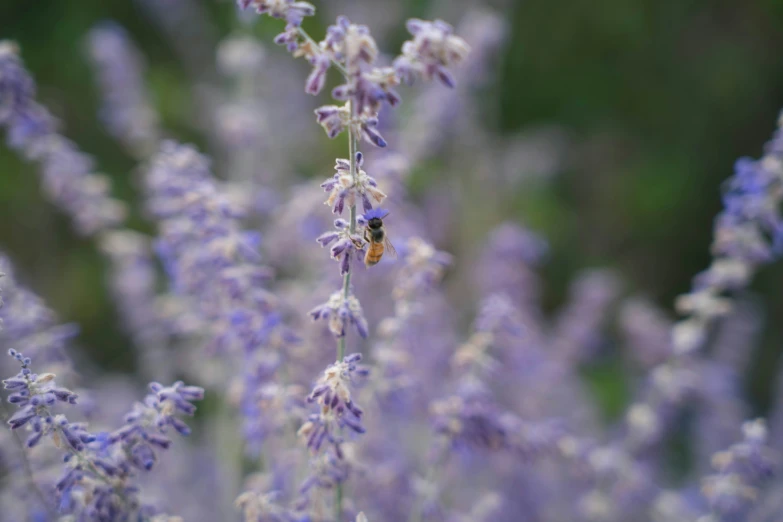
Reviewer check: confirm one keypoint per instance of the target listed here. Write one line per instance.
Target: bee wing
(389, 247)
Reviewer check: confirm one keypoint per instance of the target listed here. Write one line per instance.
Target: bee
(376, 237)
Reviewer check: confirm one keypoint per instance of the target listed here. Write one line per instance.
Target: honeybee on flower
(376, 237)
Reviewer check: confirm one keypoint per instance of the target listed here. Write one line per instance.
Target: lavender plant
(99, 481)
(352, 51)
(398, 399)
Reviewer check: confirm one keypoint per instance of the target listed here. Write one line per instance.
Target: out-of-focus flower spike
(294, 12)
(433, 48)
(67, 174)
(126, 109)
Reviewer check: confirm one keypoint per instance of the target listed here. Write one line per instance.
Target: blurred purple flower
(126, 110)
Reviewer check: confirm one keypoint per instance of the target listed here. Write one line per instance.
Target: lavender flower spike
(337, 408)
(126, 110)
(67, 174)
(99, 480)
(350, 49)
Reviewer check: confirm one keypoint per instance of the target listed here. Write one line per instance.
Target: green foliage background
(660, 97)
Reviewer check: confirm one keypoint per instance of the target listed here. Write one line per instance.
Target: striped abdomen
(374, 253)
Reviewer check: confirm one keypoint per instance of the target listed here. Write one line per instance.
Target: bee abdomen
(374, 254)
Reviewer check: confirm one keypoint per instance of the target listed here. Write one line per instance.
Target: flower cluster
(471, 421)
(345, 245)
(748, 233)
(350, 186)
(741, 471)
(266, 404)
(35, 394)
(213, 266)
(341, 311)
(434, 48)
(210, 260)
(743, 239)
(336, 406)
(98, 482)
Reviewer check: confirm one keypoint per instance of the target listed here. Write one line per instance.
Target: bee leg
(358, 244)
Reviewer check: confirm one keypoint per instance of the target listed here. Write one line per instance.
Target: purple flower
(577, 329)
(317, 78)
(289, 38)
(350, 44)
(370, 133)
(133, 282)
(471, 423)
(434, 47)
(206, 254)
(126, 110)
(344, 189)
(369, 89)
(333, 119)
(740, 472)
(16, 86)
(341, 311)
(336, 406)
(291, 10)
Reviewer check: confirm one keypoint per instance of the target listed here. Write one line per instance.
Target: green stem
(338, 502)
